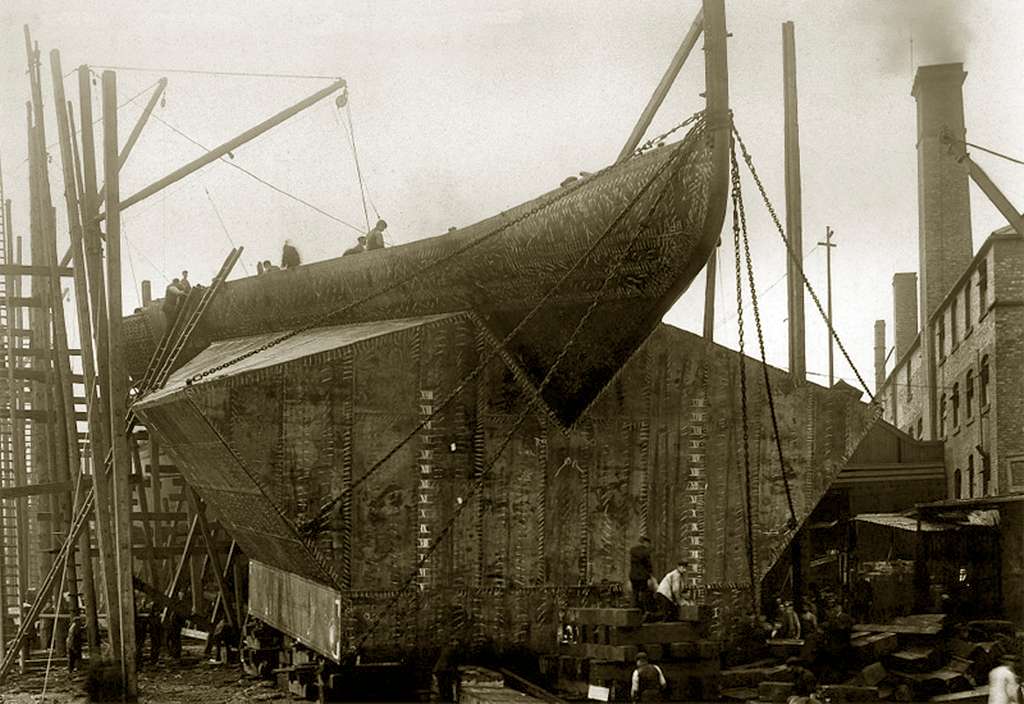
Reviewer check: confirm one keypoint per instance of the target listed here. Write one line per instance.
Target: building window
(958, 489)
(983, 382)
(970, 475)
(910, 389)
(920, 428)
(952, 324)
(940, 335)
(986, 474)
(967, 309)
(1017, 473)
(969, 392)
(942, 416)
(982, 289)
(954, 402)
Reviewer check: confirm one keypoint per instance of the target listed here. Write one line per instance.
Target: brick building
(958, 378)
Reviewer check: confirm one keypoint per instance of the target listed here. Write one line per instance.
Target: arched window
(969, 392)
(954, 402)
(983, 382)
(970, 475)
(958, 490)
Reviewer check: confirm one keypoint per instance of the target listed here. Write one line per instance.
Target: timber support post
(117, 385)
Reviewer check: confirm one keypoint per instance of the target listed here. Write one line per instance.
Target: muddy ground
(167, 682)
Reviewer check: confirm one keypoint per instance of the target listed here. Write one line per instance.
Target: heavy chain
(738, 206)
(795, 256)
(318, 522)
(745, 415)
(524, 414)
(326, 317)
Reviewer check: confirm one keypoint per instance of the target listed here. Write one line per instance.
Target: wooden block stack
(608, 640)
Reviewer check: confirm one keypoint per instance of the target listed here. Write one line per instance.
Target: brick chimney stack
(943, 205)
(879, 355)
(904, 311)
(943, 202)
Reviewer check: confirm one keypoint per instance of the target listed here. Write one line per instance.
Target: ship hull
(623, 244)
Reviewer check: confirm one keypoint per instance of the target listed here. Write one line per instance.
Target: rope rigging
(317, 523)
(430, 266)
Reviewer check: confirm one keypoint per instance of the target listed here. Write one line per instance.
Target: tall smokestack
(943, 203)
(904, 311)
(879, 355)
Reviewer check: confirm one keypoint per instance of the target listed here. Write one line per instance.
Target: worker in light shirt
(673, 592)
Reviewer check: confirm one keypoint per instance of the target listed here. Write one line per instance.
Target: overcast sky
(462, 109)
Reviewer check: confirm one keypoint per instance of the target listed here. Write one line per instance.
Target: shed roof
(301, 344)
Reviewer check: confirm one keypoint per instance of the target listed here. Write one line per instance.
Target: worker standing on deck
(185, 285)
(358, 249)
(640, 573)
(290, 256)
(648, 683)
(375, 237)
(173, 295)
(74, 642)
(673, 592)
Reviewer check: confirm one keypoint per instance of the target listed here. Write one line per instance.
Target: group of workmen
(659, 601)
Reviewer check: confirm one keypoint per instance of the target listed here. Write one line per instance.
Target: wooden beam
(22, 301)
(995, 195)
(229, 146)
(117, 383)
(211, 553)
(133, 137)
(658, 97)
(90, 265)
(36, 489)
(33, 270)
(183, 561)
(710, 272)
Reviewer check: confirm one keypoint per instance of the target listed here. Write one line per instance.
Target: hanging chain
(751, 562)
(795, 256)
(527, 410)
(318, 522)
(326, 317)
(738, 206)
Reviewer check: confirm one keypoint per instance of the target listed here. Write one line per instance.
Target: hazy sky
(462, 109)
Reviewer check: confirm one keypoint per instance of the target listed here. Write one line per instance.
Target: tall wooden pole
(794, 262)
(72, 181)
(658, 97)
(99, 411)
(229, 146)
(710, 272)
(13, 285)
(117, 383)
(794, 217)
(829, 245)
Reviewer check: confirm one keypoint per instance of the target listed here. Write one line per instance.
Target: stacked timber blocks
(607, 642)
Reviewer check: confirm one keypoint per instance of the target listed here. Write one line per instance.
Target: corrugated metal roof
(304, 344)
(895, 520)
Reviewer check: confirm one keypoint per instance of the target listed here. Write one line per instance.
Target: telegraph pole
(828, 245)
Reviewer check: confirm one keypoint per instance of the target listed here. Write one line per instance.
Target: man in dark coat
(648, 682)
(290, 256)
(640, 572)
